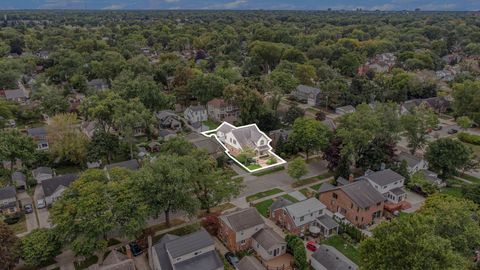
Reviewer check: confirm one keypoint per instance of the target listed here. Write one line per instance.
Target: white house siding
(268, 254)
(52, 198)
(246, 234)
(232, 141)
(387, 188)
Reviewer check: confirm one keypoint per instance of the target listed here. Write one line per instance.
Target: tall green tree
(39, 247)
(309, 135)
(447, 157)
(9, 247)
(297, 168)
(416, 124)
(15, 145)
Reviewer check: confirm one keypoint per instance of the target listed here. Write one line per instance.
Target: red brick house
(359, 202)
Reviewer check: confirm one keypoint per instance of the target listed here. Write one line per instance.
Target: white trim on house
(213, 133)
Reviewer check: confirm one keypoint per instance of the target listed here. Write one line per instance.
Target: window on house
(378, 204)
(351, 205)
(358, 209)
(366, 209)
(334, 195)
(242, 242)
(384, 187)
(356, 218)
(301, 218)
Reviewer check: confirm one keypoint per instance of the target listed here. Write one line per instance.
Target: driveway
(31, 218)
(416, 200)
(43, 214)
(141, 262)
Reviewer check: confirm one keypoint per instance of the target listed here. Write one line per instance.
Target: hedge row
(469, 138)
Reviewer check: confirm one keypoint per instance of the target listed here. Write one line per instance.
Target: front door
(275, 252)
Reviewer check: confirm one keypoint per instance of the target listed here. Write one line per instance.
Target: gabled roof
(196, 108)
(247, 135)
(305, 207)
(362, 193)
(250, 263)
(189, 243)
(327, 221)
(128, 164)
(209, 144)
(326, 187)
(242, 219)
(164, 114)
(268, 238)
(19, 177)
(217, 102)
(332, 259)
(7, 193)
(14, 94)
(51, 185)
(384, 177)
(279, 203)
(38, 131)
(205, 261)
(305, 89)
(162, 254)
(409, 158)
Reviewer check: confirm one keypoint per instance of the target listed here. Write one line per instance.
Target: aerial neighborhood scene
(239, 135)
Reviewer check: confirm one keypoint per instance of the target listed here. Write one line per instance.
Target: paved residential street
(254, 184)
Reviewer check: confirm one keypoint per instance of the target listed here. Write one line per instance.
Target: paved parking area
(416, 200)
(31, 218)
(42, 214)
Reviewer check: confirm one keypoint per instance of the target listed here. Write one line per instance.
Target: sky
(387, 5)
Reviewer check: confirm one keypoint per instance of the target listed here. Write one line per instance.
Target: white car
(41, 204)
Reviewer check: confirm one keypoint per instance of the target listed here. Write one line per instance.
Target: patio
(280, 262)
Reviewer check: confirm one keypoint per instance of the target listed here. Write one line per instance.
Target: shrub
(469, 138)
(295, 246)
(353, 232)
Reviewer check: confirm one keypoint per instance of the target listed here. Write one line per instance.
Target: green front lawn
(269, 171)
(254, 167)
(263, 207)
(470, 178)
(317, 186)
(211, 124)
(290, 198)
(453, 191)
(344, 247)
(263, 194)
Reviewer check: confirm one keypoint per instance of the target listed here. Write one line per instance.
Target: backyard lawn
(344, 247)
(263, 194)
(263, 207)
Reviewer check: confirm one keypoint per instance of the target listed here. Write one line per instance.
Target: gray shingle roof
(189, 243)
(326, 187)
(305, 207)
(327, 221)
(243, 219)
(409, 158)
(332, 259)
(14, 94)
(209, 144)
(362, 193)
(38, 131)
(206, 261)
(197, 108)
(268, 238)
(128, 164)
(384, 177)
(305, 89)
(19, 177)
(51, 185)
(7, 193)
(250, 263)
(398, 191)
(281, 202)
(247, 135)
(162, 254)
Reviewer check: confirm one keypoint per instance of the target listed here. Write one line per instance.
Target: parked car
(311, 246)
(28, 208)
(453, 131)
(437, 128)
(41, 204)
(231, 259)
(135, 249)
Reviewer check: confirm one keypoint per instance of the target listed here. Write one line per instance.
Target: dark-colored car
(231, 259)
(452, 131)
(437, 128)
(135, 249)
(28, 208)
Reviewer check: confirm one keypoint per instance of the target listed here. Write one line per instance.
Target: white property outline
(213, 133)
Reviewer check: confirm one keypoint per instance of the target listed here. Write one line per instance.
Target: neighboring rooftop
(51, 185)
(305, 207)
(250, 263)
(384, 177)
(7, 193)
(42, 170)
(279, 203)
(128, 164)
(409, 158)
(189, 243)
(268, 238)
(37, 131)
(15, 94)
(332, 259)
(243, 219)
(362, 193)
(308, 89)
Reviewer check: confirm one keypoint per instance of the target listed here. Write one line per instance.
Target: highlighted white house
(247, 145)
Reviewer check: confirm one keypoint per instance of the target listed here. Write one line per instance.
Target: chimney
(350, 178)
(129, 252)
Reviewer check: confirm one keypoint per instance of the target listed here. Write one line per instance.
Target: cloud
(172, 1)
(229, 5)
(114, 7)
